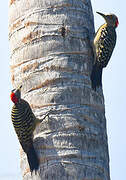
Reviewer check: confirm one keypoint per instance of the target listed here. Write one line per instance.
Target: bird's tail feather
(96, 77)
(32, 159)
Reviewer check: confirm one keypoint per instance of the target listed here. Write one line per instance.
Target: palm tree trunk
(52, 57)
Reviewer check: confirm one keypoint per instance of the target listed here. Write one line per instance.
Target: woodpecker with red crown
(25, 122)
(104, 43)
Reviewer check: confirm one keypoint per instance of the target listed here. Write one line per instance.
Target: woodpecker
(103, 46)
(25, 122)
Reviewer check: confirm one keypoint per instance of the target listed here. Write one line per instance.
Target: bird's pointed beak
(13, 90)
(19, 89)
(20, 86)
(103, 15)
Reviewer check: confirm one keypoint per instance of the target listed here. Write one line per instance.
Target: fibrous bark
(51, 57)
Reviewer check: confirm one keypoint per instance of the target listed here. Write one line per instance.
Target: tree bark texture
(52, 58)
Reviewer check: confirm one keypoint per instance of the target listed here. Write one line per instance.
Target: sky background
(114, 87)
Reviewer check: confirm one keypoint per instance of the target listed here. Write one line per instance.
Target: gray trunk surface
(52, 58)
